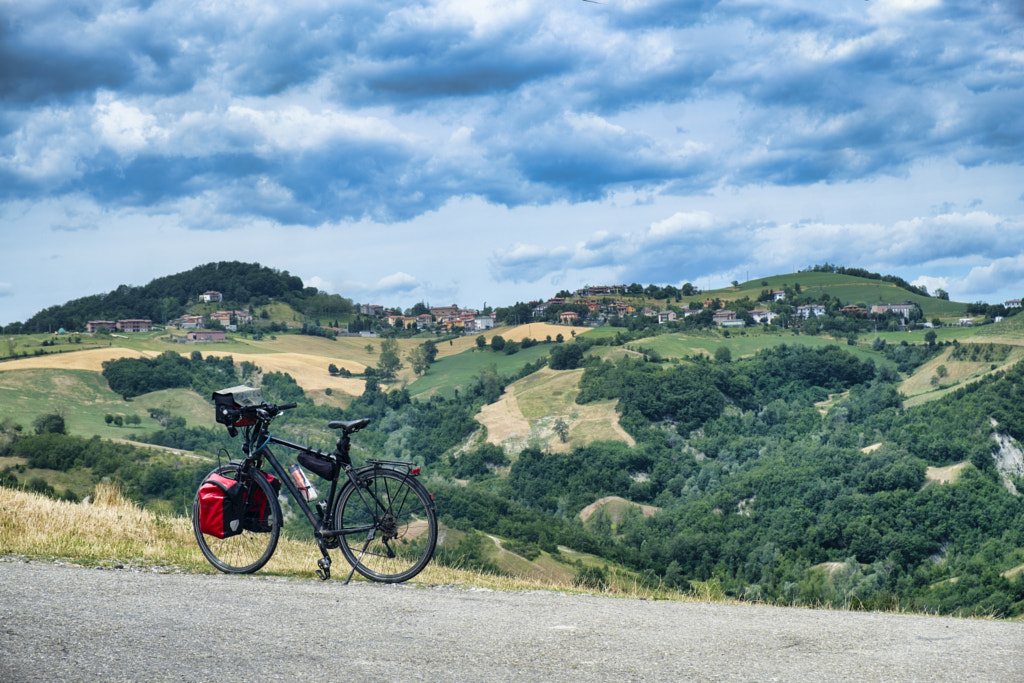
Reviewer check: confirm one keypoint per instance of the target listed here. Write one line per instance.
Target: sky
(484, 152)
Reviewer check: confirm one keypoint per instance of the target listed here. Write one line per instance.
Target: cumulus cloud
(692, 246)
(349, 108)
(397, 282)
(214, 116)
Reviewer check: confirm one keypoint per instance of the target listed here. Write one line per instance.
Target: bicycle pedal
(323, 574)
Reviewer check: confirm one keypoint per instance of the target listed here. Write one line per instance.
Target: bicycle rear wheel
(391, 529)
(248, 551)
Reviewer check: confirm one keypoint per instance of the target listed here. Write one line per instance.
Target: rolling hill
(774, 478)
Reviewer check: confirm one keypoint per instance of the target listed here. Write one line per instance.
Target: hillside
(685, 454)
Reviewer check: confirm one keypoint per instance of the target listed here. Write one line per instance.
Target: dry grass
(91, 360)
(110, 530)
(310, 371)
(615, 506)
(918, 387)
(945, 475)
(530, 407)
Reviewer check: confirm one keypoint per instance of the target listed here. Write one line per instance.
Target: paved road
(60, 623)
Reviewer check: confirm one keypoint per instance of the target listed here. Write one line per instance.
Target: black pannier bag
(319, 465)
(220, 506)
(227, 402)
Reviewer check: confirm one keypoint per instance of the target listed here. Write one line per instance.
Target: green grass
(743, 343)
(447, 374)
(84, 399)
(847, 288)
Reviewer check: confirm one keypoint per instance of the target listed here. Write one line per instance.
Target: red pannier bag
(220, 506)
(257, 507)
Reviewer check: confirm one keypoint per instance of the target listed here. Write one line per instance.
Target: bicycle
(382, 518)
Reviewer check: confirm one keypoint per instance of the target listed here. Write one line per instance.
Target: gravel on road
(67, 623)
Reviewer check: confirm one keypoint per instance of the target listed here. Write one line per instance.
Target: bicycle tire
(398, 527)
(248, 551)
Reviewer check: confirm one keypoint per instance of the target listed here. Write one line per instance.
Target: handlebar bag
(257, 507)
(221, 506)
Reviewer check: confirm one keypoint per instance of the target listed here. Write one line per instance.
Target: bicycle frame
(260, 434)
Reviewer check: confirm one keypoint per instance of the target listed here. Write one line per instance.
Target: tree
(389, 363)
(429, 351)
(418, 360)
(332, 369)
(51, 423)
(481, 341)
(929, 337)
(723, 354)
(561, 428)
(497, 343)
(372, 386)
(566, 357)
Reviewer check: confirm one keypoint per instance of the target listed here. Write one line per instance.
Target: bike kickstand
(351, 573)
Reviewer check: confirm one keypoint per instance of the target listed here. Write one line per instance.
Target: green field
(847, 288)
(743, 343)
(84, 400)
(449, 373)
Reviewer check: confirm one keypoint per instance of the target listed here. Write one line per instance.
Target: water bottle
(302, 483)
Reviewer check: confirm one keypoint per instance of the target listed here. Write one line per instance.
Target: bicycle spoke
(405, 530)
(247, 551)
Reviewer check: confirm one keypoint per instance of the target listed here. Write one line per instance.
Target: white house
(805, 312)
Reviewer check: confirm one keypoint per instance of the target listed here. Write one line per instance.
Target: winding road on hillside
(66, 623)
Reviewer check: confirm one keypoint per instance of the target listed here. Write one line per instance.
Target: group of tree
(244, 285)
(131, 377)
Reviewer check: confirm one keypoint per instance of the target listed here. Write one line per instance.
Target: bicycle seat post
(342, 450)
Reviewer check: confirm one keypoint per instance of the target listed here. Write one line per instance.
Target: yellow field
(79, 360)
(308, 369)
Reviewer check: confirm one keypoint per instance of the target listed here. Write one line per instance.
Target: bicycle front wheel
(389, 526)
(248, 551)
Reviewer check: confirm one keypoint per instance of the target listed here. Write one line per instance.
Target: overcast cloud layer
(487, 152)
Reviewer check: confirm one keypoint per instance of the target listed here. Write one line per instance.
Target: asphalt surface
(64, 623)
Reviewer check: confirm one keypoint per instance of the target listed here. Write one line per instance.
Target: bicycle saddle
(349, 426)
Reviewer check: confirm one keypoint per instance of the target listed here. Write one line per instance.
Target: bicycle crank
(324, 572)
